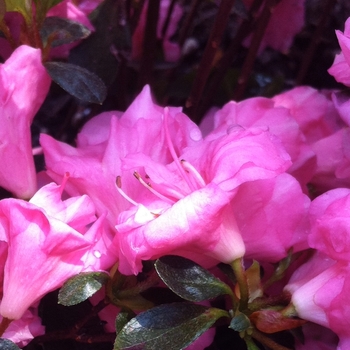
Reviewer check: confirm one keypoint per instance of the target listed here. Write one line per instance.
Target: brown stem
(253, 49)
(134, 20)
(73, 332)
(188, 21)
(167, 19)
(5, 322)
(149, 44)
(225, 62)
(206, 63)
(263, 339)
(310, 52)
(6, 31)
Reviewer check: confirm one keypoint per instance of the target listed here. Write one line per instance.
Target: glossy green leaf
(62, 31)
(102, 50)
(6, 344)
(77, 81)
(169, 326)
(189, 280)
(81, 287)
(240, 323)
(123, 317)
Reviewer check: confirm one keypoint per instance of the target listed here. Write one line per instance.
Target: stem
(188, 21)
(310, 52)
(263, 339)
(213, 45)
(167, 19)
(238, 269)
(149, 44)
(225, 62)
(5, 322)
(253, 49)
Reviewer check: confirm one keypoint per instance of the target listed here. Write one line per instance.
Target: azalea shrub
(175, 174)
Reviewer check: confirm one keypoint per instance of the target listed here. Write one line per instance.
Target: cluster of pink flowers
(257, 179)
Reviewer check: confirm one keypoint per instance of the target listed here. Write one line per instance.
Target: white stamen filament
(192, 170)
(119, 189)
(151, 189)
(173, 153)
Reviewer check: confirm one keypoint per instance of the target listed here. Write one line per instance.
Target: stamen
(192, 170)
(64, 181)
(118, 183)
(150, 188)
(173, 153)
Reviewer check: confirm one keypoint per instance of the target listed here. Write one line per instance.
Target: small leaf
(6, 344)
(240, 323)
(168, 326)
(81, 287)
(189, 280)
(111, 39)
(77, 81)
(62, 31)
(123, 317)
(43, 6)
(23, 7)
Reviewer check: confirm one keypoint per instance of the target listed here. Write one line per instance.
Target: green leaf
(43, 6)
(6, 344)
(81, 287)
(169, 326)
(189, 280)
(21, 6)
(123, 317)
(110, 40)
(62, 31)
(240, 323)
(77, 81)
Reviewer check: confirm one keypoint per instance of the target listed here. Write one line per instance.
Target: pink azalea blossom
(320, 295)
(330, 229)
(265, 113)
(69, 10)
(24, 86)
(272, 217)
(22, 331)
(186, 210)
(44, 246)
(340, 68)
(171, 50)
(288, 17)
(322, 117)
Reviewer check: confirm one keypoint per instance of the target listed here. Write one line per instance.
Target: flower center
(168, 192)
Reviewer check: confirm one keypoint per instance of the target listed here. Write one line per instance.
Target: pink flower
(330, 229)
(69, 10)
(341, 65)
(24, 86)
(320, 295)
(266, 114)
(287, 19)
(322, 117)
(171, 50)
(185, 209)
(44, 246)
(22, 331)
(272, 217)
